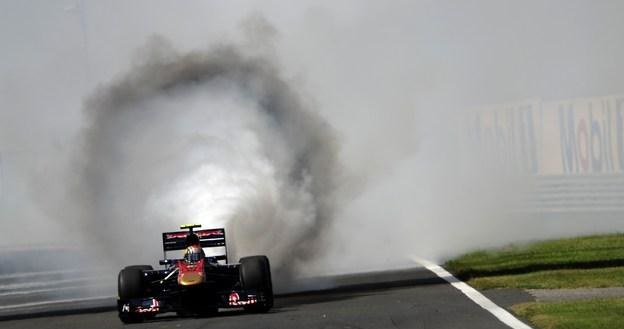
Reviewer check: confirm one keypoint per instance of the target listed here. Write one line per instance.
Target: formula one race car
(195, 284)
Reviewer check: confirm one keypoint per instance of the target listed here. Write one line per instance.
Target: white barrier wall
(574, 149)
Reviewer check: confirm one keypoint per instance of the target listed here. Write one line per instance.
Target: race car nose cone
(190, 279)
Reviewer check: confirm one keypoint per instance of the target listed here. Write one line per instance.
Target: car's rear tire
(255, 274)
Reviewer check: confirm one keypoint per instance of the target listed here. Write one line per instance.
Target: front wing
(175, 303)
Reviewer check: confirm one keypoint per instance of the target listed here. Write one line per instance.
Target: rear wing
(207, 239)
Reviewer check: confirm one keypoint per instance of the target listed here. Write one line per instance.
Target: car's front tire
(130, 285)
(130, 281)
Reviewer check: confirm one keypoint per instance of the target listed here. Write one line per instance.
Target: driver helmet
(193, 254)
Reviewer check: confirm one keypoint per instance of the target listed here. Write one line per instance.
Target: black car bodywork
(200, 288)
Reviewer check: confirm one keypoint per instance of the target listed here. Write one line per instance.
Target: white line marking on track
(39, 291)
(44, 273)
(61, 301)
(30, 285)
(500, 313)
(30, 274)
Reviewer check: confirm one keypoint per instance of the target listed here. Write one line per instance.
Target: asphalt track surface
(414, 298)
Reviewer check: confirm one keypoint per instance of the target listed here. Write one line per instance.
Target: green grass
(583, 262)
(574, 253)
(557, 279)
(586, 314)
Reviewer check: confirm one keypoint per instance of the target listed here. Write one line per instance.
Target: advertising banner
(568, 137)
(508, 135)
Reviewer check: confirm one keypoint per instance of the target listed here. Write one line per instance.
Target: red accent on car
(234, 297)
(201, 234)
(190, 270)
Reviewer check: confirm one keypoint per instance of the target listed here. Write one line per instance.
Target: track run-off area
(420, 297)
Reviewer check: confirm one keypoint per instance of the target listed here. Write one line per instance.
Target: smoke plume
(213, 137)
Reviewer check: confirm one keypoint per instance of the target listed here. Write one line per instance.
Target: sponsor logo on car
(201, 234)
(234, 300)
(151, 308)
